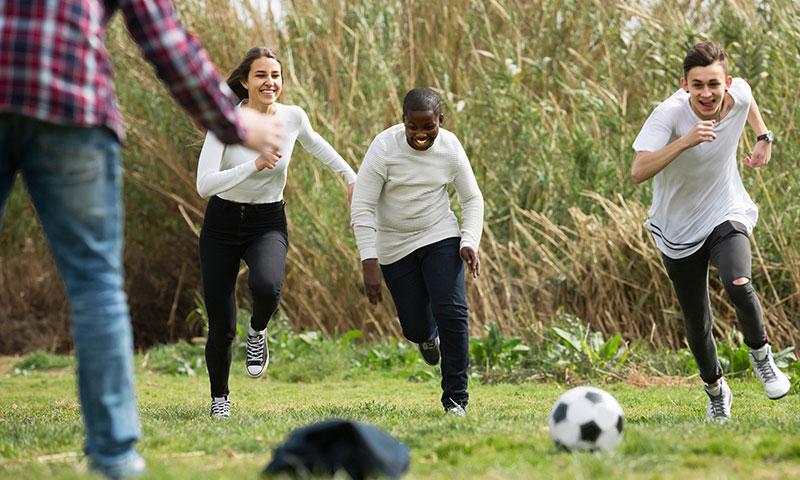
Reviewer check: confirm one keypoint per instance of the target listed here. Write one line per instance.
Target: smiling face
(422, 127)
(706, 87)
(264, 83)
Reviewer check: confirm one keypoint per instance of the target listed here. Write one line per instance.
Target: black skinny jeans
(232, 232)
(728, 249)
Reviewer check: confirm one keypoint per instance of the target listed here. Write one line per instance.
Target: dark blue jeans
(728, 249)
(74, 178)
(427, 287)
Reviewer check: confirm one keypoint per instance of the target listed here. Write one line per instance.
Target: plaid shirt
(54, 66)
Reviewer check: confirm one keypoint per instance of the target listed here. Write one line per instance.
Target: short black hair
(422, 99)
(703, 55)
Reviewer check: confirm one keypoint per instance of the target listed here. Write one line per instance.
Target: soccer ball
(586, 418)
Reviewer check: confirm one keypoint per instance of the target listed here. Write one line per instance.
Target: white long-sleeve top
(230, 171)
(400, 202)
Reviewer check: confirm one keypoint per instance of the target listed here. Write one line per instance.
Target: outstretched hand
(760, 155)
(372, 280)
(473, 262)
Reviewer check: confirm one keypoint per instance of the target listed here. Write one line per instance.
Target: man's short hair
(703, 55)
(422, 99)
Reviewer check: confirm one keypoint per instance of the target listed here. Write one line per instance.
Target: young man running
(701, 212)
(402, 219)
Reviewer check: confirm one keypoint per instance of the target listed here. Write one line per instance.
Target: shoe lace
(765, 369)
(255, 348)
(457, 409)
(429, 345)
(717, 405)
(220, 407)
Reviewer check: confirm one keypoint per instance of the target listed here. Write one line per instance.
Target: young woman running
(701, 212)
(245, 219)
(402, 219)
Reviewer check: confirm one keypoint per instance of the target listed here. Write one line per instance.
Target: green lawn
(505, 435)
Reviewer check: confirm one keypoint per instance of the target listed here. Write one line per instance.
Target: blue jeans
(74, 178)
(427, 287)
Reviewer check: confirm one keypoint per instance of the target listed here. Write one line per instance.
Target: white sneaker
(776, 383)
(257, 354)
(220, 406)
(457, 409)
(132, 466)
(719, 402)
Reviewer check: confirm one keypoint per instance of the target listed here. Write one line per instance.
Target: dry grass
(546, 96)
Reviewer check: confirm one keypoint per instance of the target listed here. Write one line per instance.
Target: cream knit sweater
(401, 202)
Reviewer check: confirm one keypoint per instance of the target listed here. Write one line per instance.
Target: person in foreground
(701, 212)
(61, 128)
(402, 219)
(245, 219)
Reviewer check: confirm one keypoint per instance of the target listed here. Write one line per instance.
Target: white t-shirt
(230, 171)
(400, 202)
(701, 188)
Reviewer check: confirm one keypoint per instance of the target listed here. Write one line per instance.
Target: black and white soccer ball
(586, 418)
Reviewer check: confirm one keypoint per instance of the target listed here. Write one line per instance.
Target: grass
(504, 436)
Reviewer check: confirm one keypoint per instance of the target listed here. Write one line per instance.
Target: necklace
(721, 109)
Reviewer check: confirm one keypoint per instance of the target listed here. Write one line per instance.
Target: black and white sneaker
(257, 354)
(719, 402)
(430, 351)
(776, 383)
(220, 407)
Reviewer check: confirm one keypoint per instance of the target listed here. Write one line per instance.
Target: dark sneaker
(132, 466)
(430, 351)
(719, 402)
(257, 354)
(220, 407)
(776, 383)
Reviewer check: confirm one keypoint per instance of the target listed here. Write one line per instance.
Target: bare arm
(647, 164)
(762, 151)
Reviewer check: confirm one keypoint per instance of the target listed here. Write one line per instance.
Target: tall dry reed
(546, 96)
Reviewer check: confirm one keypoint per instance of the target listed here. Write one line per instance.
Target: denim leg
(8, 158)
(428, 291)
(74, 179)
(690, 281)
(443, 271)
(406, 284)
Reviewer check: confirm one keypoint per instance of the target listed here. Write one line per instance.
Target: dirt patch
(646, 379)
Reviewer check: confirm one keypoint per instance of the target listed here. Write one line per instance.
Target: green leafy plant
(41, 360)
(495, 350)
(386, 354)
(582, 343)
(180, 358)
